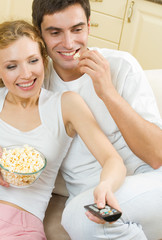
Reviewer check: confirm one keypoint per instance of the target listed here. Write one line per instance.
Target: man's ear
(89, 25)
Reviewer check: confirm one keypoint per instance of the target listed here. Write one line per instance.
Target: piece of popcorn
(77, 55)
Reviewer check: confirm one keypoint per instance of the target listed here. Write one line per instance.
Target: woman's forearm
(113, 173)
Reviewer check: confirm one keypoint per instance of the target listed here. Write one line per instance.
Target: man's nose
(67, 41)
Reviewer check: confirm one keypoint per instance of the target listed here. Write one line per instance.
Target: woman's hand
(103, 195)
(2, 182)
(0, 152)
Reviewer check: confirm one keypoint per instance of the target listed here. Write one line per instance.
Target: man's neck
(70, 75)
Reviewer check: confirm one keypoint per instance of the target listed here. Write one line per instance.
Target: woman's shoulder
(3, 93)
(3, 90)
(72, 102)
(70, 95)
(72, 98)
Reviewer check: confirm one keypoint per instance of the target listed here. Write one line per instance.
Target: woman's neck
(21, 113)
(22, 102)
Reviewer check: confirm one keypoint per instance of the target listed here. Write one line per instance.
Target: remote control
(107, 213)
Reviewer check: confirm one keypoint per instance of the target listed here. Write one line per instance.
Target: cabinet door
(97, 42)
(4, 10)
(114, 8)
(105, 27)
(142, 34)
(106, 22)
(21, 9)
(15, 9)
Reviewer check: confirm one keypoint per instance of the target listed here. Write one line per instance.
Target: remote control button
(93, 208)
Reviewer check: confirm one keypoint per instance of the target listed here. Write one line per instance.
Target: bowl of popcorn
(21, 166)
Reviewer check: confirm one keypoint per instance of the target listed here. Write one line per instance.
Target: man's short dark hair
(48, 7)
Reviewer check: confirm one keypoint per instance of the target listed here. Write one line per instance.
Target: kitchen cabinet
(15, 9)
(107, 19)
(133, 26)
(142, 33)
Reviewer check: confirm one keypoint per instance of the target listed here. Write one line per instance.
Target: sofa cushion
(60, 186)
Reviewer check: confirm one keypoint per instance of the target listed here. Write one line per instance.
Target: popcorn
(77, 55)
(25, 160)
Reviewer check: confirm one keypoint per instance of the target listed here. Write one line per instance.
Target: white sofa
(53, 228)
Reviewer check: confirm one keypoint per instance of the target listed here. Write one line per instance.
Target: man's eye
(77, 29)
(10, 67)
(54, 33)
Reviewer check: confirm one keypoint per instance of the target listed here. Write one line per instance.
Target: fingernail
(101, 205)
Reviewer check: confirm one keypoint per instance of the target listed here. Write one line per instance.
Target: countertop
(156, 1)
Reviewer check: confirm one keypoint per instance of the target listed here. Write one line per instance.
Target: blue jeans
(140, 198)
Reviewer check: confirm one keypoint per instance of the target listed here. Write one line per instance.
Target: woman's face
(22, 68)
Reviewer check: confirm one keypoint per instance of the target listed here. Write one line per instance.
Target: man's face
(65, 33)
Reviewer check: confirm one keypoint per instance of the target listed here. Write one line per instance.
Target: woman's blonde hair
(11, 31)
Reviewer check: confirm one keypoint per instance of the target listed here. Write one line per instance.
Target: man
(116, 90)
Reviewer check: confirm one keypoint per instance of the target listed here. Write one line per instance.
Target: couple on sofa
(121, 167)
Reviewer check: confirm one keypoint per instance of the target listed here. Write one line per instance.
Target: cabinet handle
(94, 24)
(96, 0)
(130, 11)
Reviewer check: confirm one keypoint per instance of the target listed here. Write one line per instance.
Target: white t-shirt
(80, 169)
(51, 139)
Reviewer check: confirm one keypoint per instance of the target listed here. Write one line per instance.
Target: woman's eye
(34, 60)
(10, 67)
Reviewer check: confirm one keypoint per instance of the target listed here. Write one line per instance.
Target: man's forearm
(143, 137)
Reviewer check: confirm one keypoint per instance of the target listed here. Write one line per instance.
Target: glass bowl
(21, 166)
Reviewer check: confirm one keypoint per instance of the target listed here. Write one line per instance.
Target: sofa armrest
(155, 79)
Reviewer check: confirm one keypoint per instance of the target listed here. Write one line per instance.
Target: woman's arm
(79, 119)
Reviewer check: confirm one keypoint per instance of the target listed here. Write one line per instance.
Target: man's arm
(143, 137)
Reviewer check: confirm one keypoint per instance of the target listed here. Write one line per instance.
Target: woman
(32, 115)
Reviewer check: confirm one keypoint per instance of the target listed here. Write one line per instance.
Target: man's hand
(97, 67)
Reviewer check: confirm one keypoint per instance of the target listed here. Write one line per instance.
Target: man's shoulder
(119, 58)
(114, 53)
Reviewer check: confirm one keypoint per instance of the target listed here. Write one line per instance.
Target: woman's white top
(50, 139)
